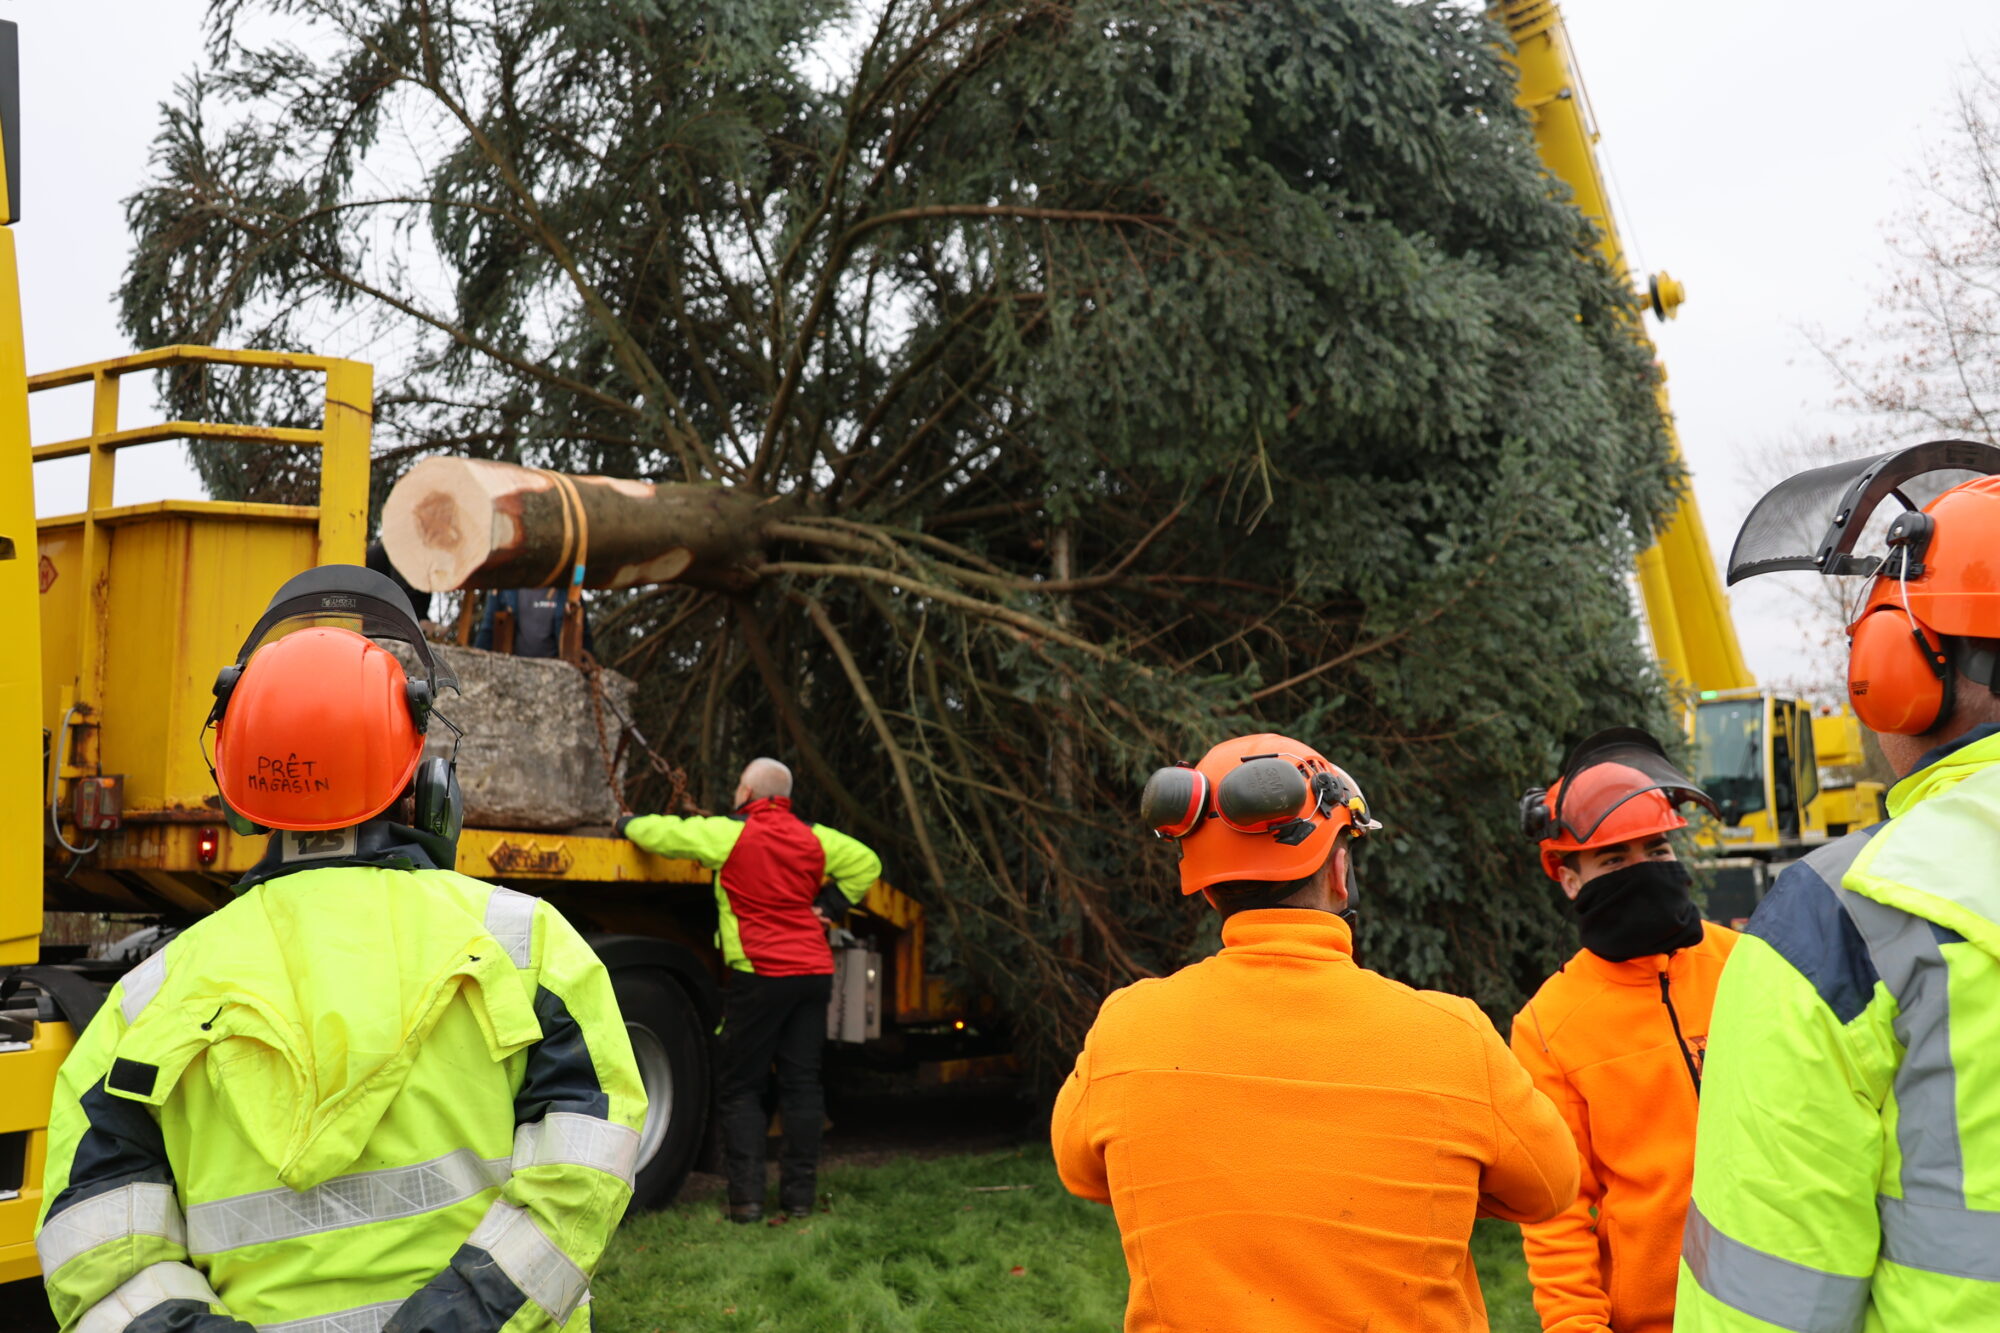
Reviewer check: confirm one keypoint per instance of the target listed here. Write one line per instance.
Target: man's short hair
(1250, 895)
(763, 778)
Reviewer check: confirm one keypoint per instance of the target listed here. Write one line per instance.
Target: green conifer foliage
(1128, 374)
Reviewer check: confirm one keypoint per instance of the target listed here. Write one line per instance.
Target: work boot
(743, 1214)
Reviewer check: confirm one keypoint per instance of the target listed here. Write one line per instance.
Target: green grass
(913, 1246)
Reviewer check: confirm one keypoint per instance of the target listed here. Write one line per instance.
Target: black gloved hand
(832, 904)
(618, 829)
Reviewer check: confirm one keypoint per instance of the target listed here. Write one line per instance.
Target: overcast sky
(1756, 147)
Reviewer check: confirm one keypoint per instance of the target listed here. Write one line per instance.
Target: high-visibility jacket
(351, 1094)
(1847, 1172)
(1290, 1141)
(769, 867)
(1618, 1048)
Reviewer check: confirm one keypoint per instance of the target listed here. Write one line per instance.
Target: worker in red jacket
(1615, 1038)
(778, 881)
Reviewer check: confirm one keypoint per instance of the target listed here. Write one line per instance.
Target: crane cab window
(1729, 755)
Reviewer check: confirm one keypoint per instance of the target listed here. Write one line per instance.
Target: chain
(678, 799)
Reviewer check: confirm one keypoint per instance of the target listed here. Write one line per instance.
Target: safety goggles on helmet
(1813, 521)
(1604, 774)
(1280, 794)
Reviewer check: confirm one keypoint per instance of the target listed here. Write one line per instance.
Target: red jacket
(769, 865)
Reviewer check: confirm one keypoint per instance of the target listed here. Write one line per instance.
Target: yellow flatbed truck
(136, 605)
(118, 617)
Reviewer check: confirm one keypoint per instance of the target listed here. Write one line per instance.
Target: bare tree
(1928, 364)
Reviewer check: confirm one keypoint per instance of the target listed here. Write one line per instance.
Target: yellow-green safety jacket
(1847, 1158)
(354, 1099)
(771, 868)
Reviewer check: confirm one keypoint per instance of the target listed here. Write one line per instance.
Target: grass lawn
(917, 1245)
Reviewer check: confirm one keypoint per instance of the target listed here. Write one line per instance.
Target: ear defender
(417, 693)
(1261, 794)
(1899, 678)
(440, 803)
(240, 824)
(225, 685)
(1536, 821)
(1174, 801)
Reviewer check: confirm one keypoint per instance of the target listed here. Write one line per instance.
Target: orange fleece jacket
(1292, 1142)
(1599, 1040)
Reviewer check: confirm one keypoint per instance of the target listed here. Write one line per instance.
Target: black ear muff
(1174, 801)
(421, 701)
(1261, 793)
(1535, 820)
(440, 803)
(239, 824)
(225, 685)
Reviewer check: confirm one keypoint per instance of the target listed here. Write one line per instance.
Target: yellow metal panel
(30, 1080)
(243, 510)
(343, 469)
(230, 571)
(1837, 739)
(17, 1261)
(142, 609)
(185, 585)
(1853, 807)
(20, 663)
(61, 619)
(524, 857)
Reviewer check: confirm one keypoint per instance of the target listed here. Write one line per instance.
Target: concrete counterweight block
(531, 758)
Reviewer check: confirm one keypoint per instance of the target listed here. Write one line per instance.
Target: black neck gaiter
(1638, 910)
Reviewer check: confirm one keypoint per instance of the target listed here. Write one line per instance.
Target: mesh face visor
(352, 598)
(1813, 520)
(1611, 768)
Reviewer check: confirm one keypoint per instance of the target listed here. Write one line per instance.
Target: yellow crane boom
(1757, 751)
(1685, 606)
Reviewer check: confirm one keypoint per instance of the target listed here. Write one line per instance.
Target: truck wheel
(672, 1054)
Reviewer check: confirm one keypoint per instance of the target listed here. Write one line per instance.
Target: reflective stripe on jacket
(1601, 1042)
(1847, 1173)
(353, 1093)
(1290, 1141)
(769, 865)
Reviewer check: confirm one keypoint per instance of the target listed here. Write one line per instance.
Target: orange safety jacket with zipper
(1618, 1048)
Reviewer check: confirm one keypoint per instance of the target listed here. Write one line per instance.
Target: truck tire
(672, 1053)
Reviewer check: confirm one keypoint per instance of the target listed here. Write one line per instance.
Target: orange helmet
(1934, 607)
(1939, 586)
(1261, 807)
(318, 727)
(318, 733)
(1616, 786)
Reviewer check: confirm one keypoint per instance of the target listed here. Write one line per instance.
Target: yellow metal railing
(341, 516)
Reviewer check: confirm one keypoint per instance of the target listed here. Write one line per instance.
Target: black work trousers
(767, 1020)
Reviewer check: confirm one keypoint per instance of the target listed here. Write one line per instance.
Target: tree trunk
(465, 523)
